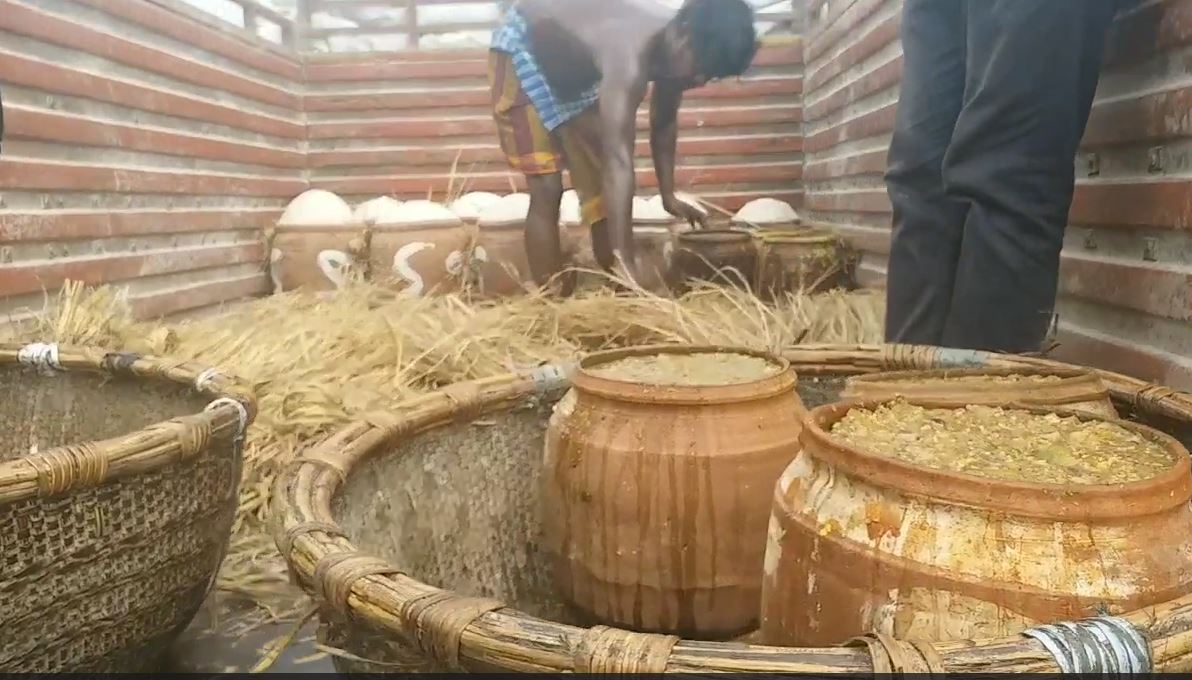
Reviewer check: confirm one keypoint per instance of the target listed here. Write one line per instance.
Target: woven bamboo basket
(416, 532)
(119, 478)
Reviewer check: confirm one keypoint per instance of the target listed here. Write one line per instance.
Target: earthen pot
(319, 258)
(720, 256)
(860, 542)
(656, 498)
(419, 258)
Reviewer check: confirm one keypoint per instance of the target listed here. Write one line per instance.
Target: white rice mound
(316, 207)
(766, 211)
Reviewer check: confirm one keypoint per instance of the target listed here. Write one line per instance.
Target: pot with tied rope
(420, 249)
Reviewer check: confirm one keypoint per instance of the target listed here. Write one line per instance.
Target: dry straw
(319, 362)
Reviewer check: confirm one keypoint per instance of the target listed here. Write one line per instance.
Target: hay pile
(318, 362)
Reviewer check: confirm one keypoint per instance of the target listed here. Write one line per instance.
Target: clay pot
(721, 256)
(656, 498)
(860, 542)
(317, 257)
(501, 261)
(654, 243)
(1076, 389)
(797, 260)
(420, 257)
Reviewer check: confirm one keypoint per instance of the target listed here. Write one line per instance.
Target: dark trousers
(995, 97)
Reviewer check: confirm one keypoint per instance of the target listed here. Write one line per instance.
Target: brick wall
(1126, 289)
(141, 147)
(396, 125)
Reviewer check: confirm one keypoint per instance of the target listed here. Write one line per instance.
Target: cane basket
(119, 478)
(416, 532)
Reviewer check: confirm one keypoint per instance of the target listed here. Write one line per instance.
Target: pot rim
(1154, 495)
(727, 236)
(647, 393)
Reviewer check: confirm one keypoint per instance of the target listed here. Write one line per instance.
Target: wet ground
(203, 648)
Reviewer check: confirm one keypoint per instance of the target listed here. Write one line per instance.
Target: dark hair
(721, 35)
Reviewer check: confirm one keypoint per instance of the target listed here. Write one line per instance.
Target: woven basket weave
(119, 477)
(462, 519)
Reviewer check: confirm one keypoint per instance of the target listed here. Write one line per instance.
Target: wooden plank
(59, 79)
(1090, 348)
(34, 23)
(163, 21)
(35, 175)
(32, 277)
(1145, 287)
(1156, 204)
(1151, 118)
(152, 306)
(445, 64)
(1154, 28)
(884, 77)
(491, 153)
(864, 46)
(856, 165)
(872, 124)
(21, 122)
(65, 225)
(475, 126)
(381, 100)
(857, 201)
(500, 181)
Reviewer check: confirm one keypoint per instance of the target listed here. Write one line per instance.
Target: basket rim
(86, 464)
(315, 547)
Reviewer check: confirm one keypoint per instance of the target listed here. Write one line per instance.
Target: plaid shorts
(532, 150)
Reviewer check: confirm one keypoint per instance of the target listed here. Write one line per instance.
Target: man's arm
(664, 137)
(621, 90)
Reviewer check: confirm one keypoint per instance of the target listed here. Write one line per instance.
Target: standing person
(995, 97)
(567, 78)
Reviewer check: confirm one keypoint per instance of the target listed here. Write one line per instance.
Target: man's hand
(683, 210)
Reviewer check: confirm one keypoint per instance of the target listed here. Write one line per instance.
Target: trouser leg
(927, 224)
(1033, 67)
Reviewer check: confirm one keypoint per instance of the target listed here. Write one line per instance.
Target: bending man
(567, 78)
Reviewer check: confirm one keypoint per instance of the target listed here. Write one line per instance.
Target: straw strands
(318, 361)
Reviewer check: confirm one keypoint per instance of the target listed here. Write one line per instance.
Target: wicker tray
(386, 620)
(119, 480)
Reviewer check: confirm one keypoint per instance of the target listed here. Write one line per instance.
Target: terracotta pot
(654, 243)
(1076, 389)
(500, 258)
(722, 256)
(420, 258)
(794, 260)
(656, 498)
(860, 542)
(317, 258)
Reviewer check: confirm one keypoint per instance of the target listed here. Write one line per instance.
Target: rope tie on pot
(66, 467)
(336, 574)
(439, 618)
(203, 380)
(611, 650)
(42, 356)
(893, 656)
(1103, 644)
